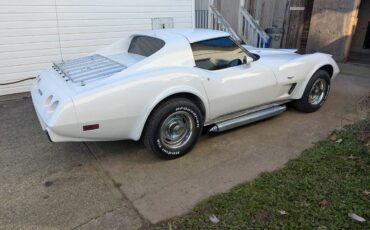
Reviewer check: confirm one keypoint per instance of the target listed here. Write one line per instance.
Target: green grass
(316, 190)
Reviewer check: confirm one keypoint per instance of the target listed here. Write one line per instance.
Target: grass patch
(315, 191)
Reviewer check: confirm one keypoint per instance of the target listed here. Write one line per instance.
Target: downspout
(58, 30)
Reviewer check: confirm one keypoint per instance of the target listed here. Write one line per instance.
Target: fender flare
(299, 92)
(181, 89)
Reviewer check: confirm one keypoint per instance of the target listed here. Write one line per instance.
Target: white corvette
(165, 86)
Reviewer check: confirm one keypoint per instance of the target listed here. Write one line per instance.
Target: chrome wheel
(177, 130)
(317, 92)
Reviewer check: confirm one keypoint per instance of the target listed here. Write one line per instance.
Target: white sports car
(165, 86)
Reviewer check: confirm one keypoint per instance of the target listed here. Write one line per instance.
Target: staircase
(249, 32)
(218, 22)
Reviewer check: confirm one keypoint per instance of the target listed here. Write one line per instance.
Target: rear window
(145, 46)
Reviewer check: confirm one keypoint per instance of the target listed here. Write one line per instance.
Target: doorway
(360, 47)
(367, 37)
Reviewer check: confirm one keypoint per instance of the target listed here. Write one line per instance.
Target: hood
(269, 51)
(274, 56)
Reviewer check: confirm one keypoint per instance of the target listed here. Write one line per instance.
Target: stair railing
(251, 31)
(218, 22)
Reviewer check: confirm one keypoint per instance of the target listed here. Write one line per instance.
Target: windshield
(145, 45)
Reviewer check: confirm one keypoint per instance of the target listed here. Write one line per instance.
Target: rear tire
(315, 94)
(173, 128)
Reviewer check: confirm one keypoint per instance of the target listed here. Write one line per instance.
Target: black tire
(306, 103)
(176, 115)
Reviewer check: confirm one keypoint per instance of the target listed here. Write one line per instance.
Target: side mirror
(247, 60)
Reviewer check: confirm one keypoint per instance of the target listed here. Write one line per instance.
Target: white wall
(33, 33)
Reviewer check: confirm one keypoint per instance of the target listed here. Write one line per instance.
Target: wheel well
(328, 68)
(189, 96)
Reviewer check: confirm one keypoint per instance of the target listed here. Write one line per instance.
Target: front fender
(318, 60)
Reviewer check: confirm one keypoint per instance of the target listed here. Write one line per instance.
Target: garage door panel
(29, 46)
(28, 9)
(35, 33)
(28, 39)
(22, 3)
(28, 32)
(29, 60)
(125, 29)
(123, 3)
(28, 24)
(120, 15)
(29, 54)
(27, 17)
(38, 67)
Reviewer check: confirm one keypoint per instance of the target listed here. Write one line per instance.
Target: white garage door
(33, 33)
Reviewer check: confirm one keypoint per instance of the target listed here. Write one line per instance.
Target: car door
(231, 84)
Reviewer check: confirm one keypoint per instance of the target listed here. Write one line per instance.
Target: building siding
(331, 27)
(35, 33)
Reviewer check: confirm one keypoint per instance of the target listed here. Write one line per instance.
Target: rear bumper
(45, 127)
(54, 107)
(35, 102)
(47, 134)
(53, 133)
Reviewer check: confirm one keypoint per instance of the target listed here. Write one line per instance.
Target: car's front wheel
(173, 128)
(315, 94)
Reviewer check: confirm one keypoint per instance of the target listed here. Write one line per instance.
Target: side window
(145, 45)
(218, 53)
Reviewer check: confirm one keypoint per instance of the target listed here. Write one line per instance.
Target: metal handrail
(218, 22)
(252, 31)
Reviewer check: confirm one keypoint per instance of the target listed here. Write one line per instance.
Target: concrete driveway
(119, 185)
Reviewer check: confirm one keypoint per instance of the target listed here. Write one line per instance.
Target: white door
(232, 86)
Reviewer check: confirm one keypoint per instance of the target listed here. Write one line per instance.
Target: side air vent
(292, 88)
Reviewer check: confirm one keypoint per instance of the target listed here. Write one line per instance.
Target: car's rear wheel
(315, 94)
(173, 128)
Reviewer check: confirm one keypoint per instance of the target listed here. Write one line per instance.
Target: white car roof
(192, 35)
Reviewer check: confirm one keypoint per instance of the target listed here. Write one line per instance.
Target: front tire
(173, 128)
(315, 94)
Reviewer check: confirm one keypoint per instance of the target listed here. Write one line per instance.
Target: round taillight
(53, 106)
(48, 100)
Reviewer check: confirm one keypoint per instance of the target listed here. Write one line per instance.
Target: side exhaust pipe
(247, 119)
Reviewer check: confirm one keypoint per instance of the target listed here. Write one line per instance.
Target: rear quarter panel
(122, 107)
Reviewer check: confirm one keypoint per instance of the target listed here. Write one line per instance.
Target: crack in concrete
(143, 220)
(191, 176)
(93, 218)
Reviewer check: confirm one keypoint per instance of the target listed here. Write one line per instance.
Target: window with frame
(218, 53)
(145, 45)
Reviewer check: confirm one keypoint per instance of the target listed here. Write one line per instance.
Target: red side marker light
(90, 127)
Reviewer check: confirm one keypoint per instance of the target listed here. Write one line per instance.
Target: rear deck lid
(87, 69)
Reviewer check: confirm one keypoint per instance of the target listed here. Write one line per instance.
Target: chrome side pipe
(247, 119)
